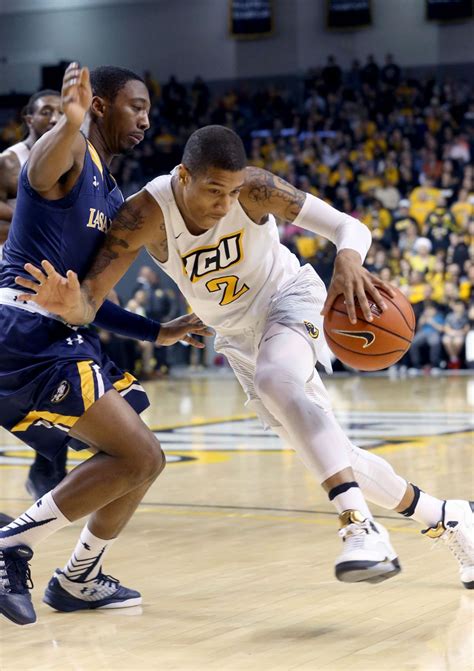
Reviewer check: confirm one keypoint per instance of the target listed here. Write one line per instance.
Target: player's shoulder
(10, 168)
(259, 184)
(9, 161)
(256, 176)
(144, 207)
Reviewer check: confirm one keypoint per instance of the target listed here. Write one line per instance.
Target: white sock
(425, 509)
(86, 560)
(349, 497)
(37, 523)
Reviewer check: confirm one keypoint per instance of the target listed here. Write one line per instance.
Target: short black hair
(30, 105)
(108, 80)
(214, 147)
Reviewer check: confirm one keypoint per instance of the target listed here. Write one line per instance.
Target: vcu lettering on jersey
(212, 259)
(205, 260)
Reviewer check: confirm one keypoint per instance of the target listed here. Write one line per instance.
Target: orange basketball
(371, 345)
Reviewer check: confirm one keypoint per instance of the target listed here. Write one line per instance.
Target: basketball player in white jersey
(210, 226)
(41, 113)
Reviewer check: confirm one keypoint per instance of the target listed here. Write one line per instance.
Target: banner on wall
(448, 10)
(250, 19)
(349, 13)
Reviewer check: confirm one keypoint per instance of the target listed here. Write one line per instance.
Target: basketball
(373, 345)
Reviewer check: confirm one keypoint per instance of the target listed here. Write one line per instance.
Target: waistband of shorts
(10, 297)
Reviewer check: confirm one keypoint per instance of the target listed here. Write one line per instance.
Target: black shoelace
(19, 575)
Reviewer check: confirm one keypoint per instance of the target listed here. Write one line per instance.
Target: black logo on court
(368, 336)
(312, 330)
(61, 392)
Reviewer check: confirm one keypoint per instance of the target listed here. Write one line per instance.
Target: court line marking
(233, 512)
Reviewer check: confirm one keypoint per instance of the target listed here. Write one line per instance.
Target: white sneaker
(367, 554)
(456, 529)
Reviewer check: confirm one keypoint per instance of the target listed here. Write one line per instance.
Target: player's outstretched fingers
(26, 284)
(49, 269)
(37, 273)
(73, 280)
(84, 79)
(192, 341)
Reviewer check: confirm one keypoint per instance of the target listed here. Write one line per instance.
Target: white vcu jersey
(22, 153)
(239, 279)
(228, 274)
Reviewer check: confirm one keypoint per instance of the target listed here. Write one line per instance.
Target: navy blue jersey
(51, 373)
(67, 232)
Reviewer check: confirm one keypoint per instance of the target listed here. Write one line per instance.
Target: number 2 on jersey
(229, 286)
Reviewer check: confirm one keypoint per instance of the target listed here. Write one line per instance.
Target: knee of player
(268, 384)
(150, 459)
(156, 460)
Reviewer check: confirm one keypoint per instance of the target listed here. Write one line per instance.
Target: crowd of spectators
(394, 151)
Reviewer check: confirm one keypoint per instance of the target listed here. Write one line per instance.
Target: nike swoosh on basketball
(368, 336)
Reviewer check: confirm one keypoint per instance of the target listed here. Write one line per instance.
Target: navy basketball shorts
(50, 375)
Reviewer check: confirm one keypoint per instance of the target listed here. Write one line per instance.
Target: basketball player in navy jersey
(212, 214)
(55, 384)
(41, 113)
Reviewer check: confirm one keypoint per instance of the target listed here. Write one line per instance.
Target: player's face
(208, 197)
(46, 113)
(128, 118)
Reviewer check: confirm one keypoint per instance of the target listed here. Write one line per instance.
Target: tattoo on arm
(163, 244)
(128, 219)
(266, 188)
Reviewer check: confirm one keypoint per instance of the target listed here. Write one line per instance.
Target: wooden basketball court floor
(233, 547)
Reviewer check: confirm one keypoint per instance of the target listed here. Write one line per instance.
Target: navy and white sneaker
(5, 519)
(367, 554)
(456, 530)
(103, 591)
(15, 583)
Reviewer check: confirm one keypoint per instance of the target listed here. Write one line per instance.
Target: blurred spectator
(370, 73)
(332, 75)
(153, 86)
(463, 208)
(421, 259)
(428, 334)
(455, 331)
(387, 194)
(400, 222)
(390, 74)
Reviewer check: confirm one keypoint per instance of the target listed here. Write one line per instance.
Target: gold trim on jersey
(95, 157)
(222, 247)
(43, 415)
(126, 381)
(87, 383)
